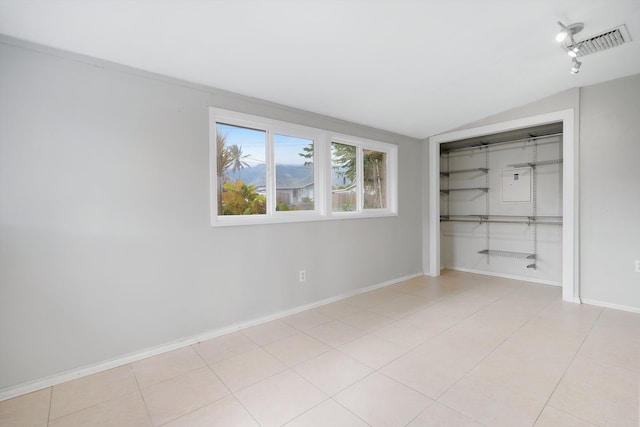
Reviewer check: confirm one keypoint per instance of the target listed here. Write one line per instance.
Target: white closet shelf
(510, 254)
(507, 254)
(534, 164)
(447, 190)
(447, 173)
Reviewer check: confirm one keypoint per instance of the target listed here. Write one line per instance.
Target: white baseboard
(610, 305)
(505, 276)
(84, 371)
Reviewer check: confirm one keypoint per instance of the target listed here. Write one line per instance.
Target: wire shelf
(504, 219)
(509, 254)
(447, 190)
(447, 173)
(538, 163)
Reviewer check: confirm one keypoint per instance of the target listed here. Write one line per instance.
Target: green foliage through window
(241, 199)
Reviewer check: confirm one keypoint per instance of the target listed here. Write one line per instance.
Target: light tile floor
(459, 350)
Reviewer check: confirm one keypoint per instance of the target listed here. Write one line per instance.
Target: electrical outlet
(638, 266)
(302, 276)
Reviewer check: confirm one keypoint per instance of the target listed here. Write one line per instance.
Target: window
(375, 179)
(267, 171)
(294, 173)
(343, 179)
(239, 150)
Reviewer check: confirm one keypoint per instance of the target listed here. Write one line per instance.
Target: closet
(501, 204)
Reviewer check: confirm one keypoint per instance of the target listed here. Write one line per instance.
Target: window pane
(343, 177)
(294, 173)
(241, 170)
(375, 179)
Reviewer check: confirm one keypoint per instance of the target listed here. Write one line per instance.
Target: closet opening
(501, 201)
(501, 204)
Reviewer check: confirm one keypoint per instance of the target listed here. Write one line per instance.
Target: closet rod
(535, 138)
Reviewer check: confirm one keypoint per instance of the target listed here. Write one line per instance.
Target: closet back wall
(105, 243)
(463, 239)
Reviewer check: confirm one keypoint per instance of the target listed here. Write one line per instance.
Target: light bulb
(575, 69)
(563, 34)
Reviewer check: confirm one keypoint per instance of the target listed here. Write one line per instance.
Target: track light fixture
(575, 68)
(565, 38)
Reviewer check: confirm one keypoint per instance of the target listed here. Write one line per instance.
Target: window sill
(240, 220)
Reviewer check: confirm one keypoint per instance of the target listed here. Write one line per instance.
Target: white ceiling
(416, 68)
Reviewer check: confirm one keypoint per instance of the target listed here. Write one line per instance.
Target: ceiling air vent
(604, 41)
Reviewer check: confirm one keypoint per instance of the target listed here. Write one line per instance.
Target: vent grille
(604, 41)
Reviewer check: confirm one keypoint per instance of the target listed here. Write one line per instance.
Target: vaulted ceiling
(416, 68)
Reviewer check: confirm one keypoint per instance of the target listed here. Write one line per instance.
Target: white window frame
(322, 140)
(361, 144)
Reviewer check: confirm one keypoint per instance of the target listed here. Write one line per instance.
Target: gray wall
(608, 137)
(610, 191)
(105, 242)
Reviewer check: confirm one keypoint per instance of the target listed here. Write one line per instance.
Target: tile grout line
(49, 411)
(306, 411)
(176, 376)
(350, 411)
(271, 376)
(420, 413)
(146, 407)
(567, 368)
(239, 401)
(77, 411)
(454, 410)
(231, 393)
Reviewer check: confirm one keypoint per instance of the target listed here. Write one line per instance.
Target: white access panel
(516, 185)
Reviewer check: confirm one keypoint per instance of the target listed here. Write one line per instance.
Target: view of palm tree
(237, 158)
(234, 197)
